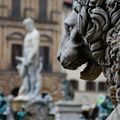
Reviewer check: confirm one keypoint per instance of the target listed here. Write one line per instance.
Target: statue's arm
(21, 59)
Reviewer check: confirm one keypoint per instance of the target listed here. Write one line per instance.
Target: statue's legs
(38, 84)
(24, 88)
(34, 78)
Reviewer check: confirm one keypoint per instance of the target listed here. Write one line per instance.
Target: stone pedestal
(115, 115)
(17, 105)
(67, 111)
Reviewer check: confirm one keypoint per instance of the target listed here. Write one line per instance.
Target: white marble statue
(30, 64)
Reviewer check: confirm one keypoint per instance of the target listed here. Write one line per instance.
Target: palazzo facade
(47, 15)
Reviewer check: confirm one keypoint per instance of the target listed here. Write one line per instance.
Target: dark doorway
(45, 52)
(16, 51)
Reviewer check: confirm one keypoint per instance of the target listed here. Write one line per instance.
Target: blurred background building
(49, 17)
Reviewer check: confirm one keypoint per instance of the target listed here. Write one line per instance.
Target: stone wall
(51, 83)
(8, 81)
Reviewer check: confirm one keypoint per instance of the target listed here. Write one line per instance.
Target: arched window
(16, 11)
(43, 10)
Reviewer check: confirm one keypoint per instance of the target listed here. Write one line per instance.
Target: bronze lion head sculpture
(87, 40)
